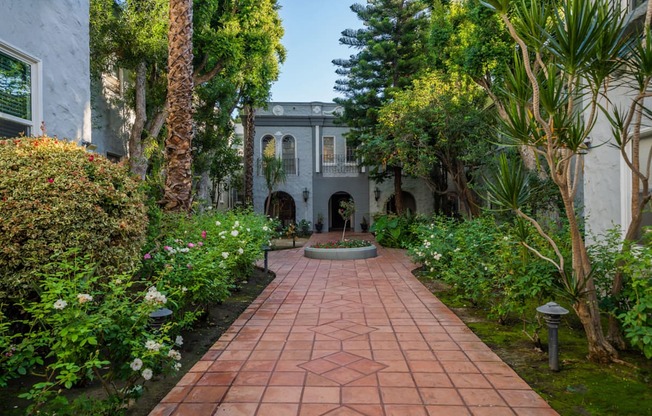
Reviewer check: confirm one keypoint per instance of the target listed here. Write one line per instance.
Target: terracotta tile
(432, 380)
(440, 396)
(343, 375)
(419, 355)
(534, 411)
(492, 411)
(481, 397)
(265, 355)
(252, 378)
(217, 379)
(405, 410)
(448, 411)
(277, 394)
(236, 409)
(269, 345)
(395, 366)
(321, 395)
(287, 378)
(248, 394)
(319, 366)
(296, 354)
(425, 366)
(298, 345)
(395, 379)
(205, 394)
(463, 380)
(314, 409)
(229, 365)
(201, 366)
(278, 409)
(451, 356)
(163, 409)
(368, 409)
(344, 411)
(289, 365)
(522, 398)
(189, 379)
(400, 395)
(193, 409)
(255, 365)
(366, 381)
(360, 395)
(459, 367)
(177, 394)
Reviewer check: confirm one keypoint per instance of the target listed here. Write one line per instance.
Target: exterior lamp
(266, 250)
(376, 194)
(159, 317)
(306, 195)
(552, 314)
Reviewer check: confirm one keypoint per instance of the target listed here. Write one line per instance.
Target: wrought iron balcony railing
(290, 166)
(339, 164)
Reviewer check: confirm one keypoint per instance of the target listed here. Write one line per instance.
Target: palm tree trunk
(178, 146)
(249, 155)
(137, 159)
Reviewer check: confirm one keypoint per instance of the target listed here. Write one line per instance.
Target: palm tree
(178, 154)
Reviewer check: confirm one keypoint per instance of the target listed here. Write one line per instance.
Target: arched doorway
(409, 204)
(283, 208)
(335, 219)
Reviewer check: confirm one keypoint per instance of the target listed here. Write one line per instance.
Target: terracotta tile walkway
(349, 338)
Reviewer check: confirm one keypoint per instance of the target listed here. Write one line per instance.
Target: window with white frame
(288, 154)
(350, 154)
(328, 150)
(19, 93)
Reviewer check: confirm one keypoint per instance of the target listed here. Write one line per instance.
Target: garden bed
(196, 342)
(341, 250)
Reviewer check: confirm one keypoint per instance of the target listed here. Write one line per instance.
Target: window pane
(15, 87)
(288, 147)
(11, 129)
(269, 146)
(350, 154)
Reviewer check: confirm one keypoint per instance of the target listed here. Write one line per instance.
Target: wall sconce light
(88, 145)
(306, 195)
(376, 194)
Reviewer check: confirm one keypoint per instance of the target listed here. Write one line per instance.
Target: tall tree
(391, 52)
(178, 154)
(441, 120)
(566, 51)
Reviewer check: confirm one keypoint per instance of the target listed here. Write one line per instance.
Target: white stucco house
(45, 75)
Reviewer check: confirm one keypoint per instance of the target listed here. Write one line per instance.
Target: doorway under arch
(335, 219)
(409, 203)
(283, 207)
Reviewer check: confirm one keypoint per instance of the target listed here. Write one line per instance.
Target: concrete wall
(57, 34)
(111, 117)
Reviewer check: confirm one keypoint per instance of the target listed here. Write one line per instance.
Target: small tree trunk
(137, 159)
(178, 150)
(249, 155)
(398, 190)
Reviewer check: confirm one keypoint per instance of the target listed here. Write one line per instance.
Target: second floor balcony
(290, 166)
(336, 164)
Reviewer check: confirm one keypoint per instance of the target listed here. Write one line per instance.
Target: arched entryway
(335, 219)
(283, 208)
(409, 204)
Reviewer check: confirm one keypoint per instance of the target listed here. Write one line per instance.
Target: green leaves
(509, 187)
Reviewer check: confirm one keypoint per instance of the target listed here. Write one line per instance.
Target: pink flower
(200, 244)
(51, 180)
(147, 256)
(203, 235)
(191, 245)
(91, 158)
(167, 248)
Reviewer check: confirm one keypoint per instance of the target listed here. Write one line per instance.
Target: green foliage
(205, 257)
(82, 327)
(304, 228)
(55, 196)
(486, 263)
(394, 230)
(343, 244)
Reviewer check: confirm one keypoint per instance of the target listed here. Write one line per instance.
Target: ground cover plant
(343, 244)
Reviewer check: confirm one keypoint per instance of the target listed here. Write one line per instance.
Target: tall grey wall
(57, 34)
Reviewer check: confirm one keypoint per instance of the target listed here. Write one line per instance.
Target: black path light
(552, 314)
(158, 317)
(266, 249)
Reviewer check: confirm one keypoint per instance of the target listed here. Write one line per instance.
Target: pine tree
(392, 51)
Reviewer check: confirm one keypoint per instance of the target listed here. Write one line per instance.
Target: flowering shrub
(395, 231)
(87, 327)
(485, 262)
(204, 257)
(343, 244)
(54, 196)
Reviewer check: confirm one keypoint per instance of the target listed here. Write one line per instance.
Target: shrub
(55, 196)
(486, 263)
(395, 231)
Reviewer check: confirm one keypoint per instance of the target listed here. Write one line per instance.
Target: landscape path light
(552, 314)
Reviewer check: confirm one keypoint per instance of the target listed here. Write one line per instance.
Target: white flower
(60, 304)
(235, 233)
(437, 256)
(154, 296)
(225, 254)
(136, 364)
(152, 345)
(177, 366)
(248, 229)
(457, 249)
(236, 224)
(147, 374)
(222, 233)
(184, 250)
(179, 340)
(118, 281)
(265, 228)
(84, 297)
(184, 289)
(218, 223)
(174, 354)
(240, 250)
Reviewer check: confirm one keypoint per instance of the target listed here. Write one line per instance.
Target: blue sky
(312, 32)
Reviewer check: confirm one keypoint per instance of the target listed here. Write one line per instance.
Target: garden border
(355, 253)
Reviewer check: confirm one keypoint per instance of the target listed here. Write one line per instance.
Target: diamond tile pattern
(349, 338)
(342, 329)
(343, 367)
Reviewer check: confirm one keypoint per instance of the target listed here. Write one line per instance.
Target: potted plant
(364, 225)
(319, 225)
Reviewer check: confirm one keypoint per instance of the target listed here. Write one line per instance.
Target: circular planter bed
(341, 253)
